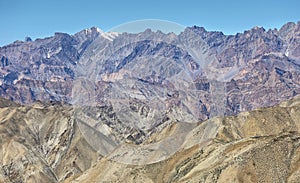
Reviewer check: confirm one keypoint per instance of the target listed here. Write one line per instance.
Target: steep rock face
(43, 69)
(42, 144)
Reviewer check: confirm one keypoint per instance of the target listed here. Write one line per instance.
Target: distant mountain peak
(93, 29)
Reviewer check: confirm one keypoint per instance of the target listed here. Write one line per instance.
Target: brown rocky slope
(43, 143)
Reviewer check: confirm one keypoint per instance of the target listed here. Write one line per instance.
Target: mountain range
(151, 101)
(252, 69)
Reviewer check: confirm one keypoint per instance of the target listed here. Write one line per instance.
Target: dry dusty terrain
(42, 143)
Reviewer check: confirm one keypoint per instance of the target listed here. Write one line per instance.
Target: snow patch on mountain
(109, 35)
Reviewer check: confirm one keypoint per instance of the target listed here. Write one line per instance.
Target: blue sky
(40, 18)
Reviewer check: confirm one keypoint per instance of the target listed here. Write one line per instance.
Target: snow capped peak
(93, 29)
(98, 30)
(109, 35)
(94, 32)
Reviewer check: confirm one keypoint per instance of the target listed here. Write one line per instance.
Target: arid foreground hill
(43, 143)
